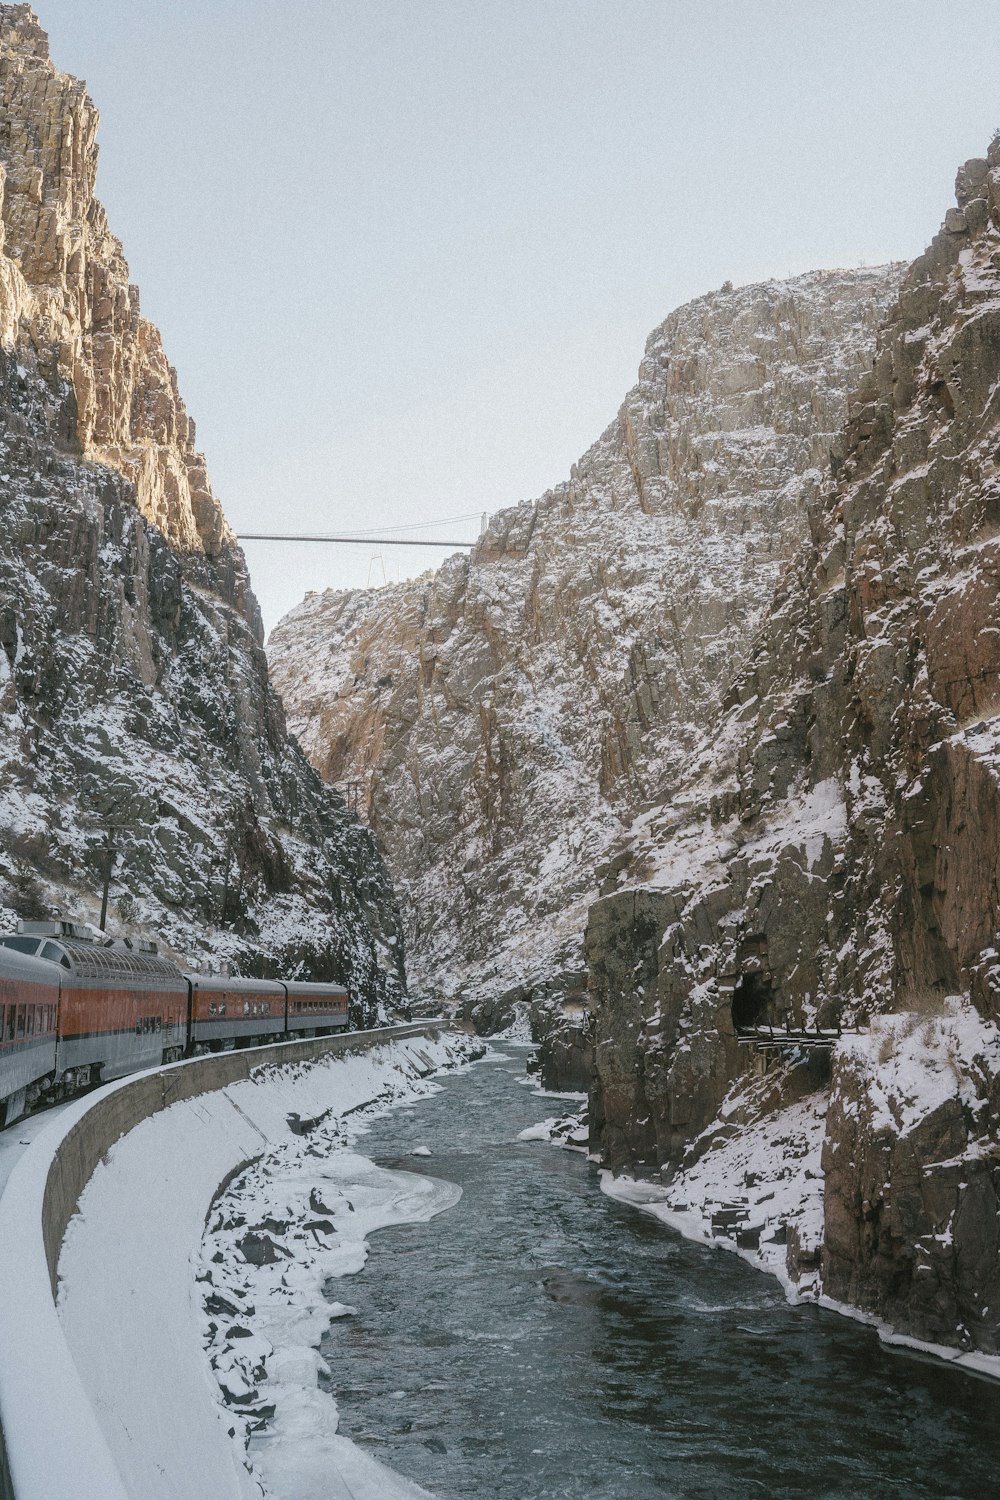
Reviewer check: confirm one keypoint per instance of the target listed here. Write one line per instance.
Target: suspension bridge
(387, 536)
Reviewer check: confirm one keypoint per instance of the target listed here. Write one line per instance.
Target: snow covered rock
(133, 683)
(508, 714)
(831, 857)
(912, 1167)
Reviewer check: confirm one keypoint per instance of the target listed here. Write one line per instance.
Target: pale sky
(405, 253)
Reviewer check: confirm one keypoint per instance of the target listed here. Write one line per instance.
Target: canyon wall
(65, 287)
(507, 715)
(742, 675)
(832, 860)
(133, 684)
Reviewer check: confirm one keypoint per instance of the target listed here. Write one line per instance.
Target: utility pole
(227, 869)
(110, 858)
(108, 853)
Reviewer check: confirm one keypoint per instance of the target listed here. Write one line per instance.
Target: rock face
(807, 750)
(833, 855)
(65, 285)
(133, 683)
(912, 1168)
(507, 715)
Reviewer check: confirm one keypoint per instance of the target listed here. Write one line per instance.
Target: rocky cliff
(133, 684)
(507, 715)
(833, 858)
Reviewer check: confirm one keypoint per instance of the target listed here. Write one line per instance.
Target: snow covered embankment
(129, 1302)
(754, 1184)
(294, 1219)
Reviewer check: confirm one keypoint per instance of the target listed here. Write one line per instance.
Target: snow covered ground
(135, 1316)
(759, 1187)
(22, 1134)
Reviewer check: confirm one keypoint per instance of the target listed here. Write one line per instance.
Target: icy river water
(541, 1340)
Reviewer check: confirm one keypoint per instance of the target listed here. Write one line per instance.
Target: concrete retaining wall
(51, 1445)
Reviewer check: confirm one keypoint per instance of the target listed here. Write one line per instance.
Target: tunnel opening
(752, 1000)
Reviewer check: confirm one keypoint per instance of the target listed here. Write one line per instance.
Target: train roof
(93, 961)
(26, 969)
(236, 982)
(309, 987)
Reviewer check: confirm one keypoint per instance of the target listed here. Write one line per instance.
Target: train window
(55, 955)
(3, 1022)
(21, 944)
(222, 1008)
(11, 1019)
(20, 1021)
(159, 1023)
(212, 1008)
(246, 1007)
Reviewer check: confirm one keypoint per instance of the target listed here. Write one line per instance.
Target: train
(78, 1009)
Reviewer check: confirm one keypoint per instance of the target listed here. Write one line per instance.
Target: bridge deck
(773, 1038)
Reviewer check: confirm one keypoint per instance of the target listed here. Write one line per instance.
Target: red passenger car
(77, 1008)
(121, 1007)
(120, 1010)
(227, 1012)
(315, 1008)
(29, 1006)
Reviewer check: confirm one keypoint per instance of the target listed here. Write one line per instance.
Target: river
(540, 1340)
